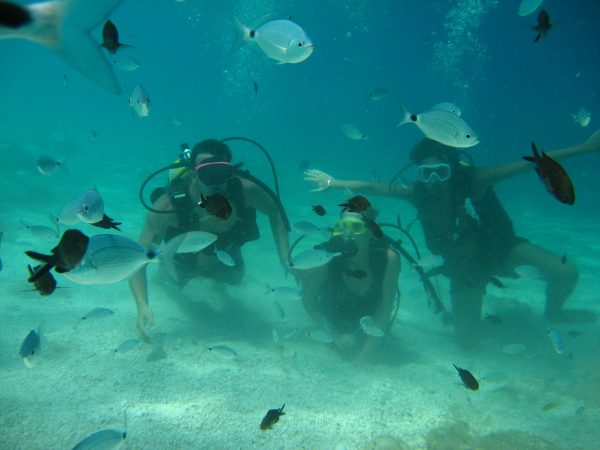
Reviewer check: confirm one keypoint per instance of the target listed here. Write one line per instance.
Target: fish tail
(35, 275)
(406, 116)
(243, 35)
(538, 37)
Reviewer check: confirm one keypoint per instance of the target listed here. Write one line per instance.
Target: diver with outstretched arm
(465, 223)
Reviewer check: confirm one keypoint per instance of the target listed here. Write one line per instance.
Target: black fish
(575, 333)
(319, 210)
(563, 259)
(107, 222)
(359, 274)
(110, 38)
(46, 284)
(255, 86)
(467, 378)
(357, 204)
(373, 227)
(496, 282)
(304, 164)
(67, 254)
(555, 178)
(494, 319)
(271, 418)
(543, 25)
(216, 205)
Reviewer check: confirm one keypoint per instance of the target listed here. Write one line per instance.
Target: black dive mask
(337, 244)
(213, 171)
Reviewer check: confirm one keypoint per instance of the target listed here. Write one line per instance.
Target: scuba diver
(465, 223)
(359, 283)
(189, 203)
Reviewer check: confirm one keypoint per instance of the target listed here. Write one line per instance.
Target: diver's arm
(389, 289)
(325, 181)
(259, 199)
(488, 176)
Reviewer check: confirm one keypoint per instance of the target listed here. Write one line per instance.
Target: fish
(65, 256)
(42, 232)
(285, 293)
(447, 106)
(216, 205)
(582, 117)
(319, 210)
(442, 126)
(321, 336)
(310, 259)
(255, 87)
(528, 6)
(372, 226)
(64, 27)
(223, 351)
(111, 258)
(96, 313)
(378, 94)
(493, 319)
(280, 39)
(46, 164)
(467, 378)
(31, 347)
(556, 340)
(543, 25)
(46, 284)
(126, 63)
(88, 208)
(306, 228)
(105, 439)
(304, 164)
(367, 324)
(553, 176)
(352, 132)
(563, 259)
(359, 274)
(496, 282)
(127, 345)
(575, 333)
(429, 261)
(271, 418)
(357, 204)
(225, 257)
(549, 406)
(176, 121)
(139, 101)
(110, 38)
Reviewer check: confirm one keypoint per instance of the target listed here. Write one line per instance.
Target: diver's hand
(145, 320)
(322, 179)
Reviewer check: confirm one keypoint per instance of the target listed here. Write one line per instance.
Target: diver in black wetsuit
(176, 211)
(360, 282)
(464, 222)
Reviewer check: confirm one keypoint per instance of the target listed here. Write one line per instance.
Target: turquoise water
(477, 54)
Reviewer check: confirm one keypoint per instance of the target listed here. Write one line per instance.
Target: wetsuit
(342, 308)
(230, 241)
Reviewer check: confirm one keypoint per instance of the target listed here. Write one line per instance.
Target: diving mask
(349, 226)
(433, 173)
(212, 172)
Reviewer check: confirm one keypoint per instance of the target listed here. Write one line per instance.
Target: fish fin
(77, 47)
(107, 223)
(242, 37)
(529, 158)
(39, 273)
(534, 149)
(537, 38)
(405, 118)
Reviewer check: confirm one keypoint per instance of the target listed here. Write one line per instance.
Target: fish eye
(300, 44)
(468, 136)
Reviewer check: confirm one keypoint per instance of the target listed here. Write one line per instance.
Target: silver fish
(96, 313)
(352, 132)
(285, 293)
(103, 440)
(367, 324)
(444, 127)
(281, 40)
(582, 117)
(378, 94)
(447, 106)
(46, 164)
(65, 28)
(557, 341)
(88, 207)
(528, 6)
(126, 63)
(223, 351)
(321, 336)
(309, 259)
(42, 232)
(140, 101)
(225, 258)
(304, 227)
(127, 345)
(31, 347)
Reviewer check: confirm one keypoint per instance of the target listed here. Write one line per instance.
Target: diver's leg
(561, 279)
(466, 310)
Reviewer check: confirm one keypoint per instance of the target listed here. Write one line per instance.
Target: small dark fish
(359, 274)
(493, 319)
(357, 204)
(216, 205)
(543, 25)
(304, 164)
(255, 86)
(549, 406)
(575, 333)
(67, 254)
(110, 38)
(563, 259)
(467, 378)
(46, 284)
(496, 282)
(319, 210)
(552, 174)
(1, 265)
(107, 222)
(373, 227)
(271, 418)
(46, 164)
